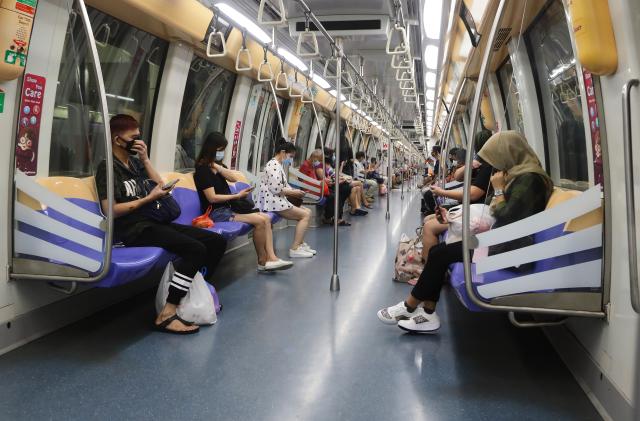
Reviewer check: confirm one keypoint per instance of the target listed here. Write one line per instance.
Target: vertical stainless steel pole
(389, 178)
(275, 101)
(402, 180)
(335, 279)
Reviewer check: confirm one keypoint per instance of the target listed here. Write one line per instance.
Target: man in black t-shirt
(196, 248)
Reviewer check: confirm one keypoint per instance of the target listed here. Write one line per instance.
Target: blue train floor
(285, 348)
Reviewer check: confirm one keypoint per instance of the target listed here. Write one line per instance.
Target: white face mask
(219, 155)
(454, 163)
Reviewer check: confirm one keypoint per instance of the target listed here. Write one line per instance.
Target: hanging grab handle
(280, 5)
(307, 36)
(403, 45)
(243, 52)
(291, 90)
(401, 62)
(107, 30)
(215, 36)
(331, 60)
(282, 80)
(265, 65)
(308, 94)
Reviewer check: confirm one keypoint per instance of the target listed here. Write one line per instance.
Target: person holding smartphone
(196, 248)
(211, 179)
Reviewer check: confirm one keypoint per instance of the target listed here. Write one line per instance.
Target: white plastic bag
(196, 307)
(480, 221)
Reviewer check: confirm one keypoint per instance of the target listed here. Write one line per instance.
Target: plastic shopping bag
(197, 306)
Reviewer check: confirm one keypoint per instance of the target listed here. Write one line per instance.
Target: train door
(306, 129)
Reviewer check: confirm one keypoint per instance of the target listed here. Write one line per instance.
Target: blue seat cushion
(131, 263)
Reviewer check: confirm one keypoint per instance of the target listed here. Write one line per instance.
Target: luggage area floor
(286, 348)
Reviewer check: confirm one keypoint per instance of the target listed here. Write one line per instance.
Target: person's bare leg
(432, 229)
(268, 244)
(168, 311)
(259, 234)
(302, 215)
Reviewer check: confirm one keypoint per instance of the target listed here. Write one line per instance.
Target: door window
(304, 134)
(205, 107)
(131, 62)
(510, 97)
(550, 45)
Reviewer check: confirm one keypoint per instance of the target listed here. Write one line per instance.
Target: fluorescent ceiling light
(431, 57)
(429, 105)
(292, 59)
(432, 17)
(430, 94)
(244, 22)
(430, 79)
(320, 81)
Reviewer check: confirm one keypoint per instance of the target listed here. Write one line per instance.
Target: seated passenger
(370, 185)
(522, 188)
(211, 179)
(314, 168)
(272, 197)
(196, 248)
(373, 171)
(357, 199)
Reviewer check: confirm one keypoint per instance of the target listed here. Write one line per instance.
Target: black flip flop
(162, 327)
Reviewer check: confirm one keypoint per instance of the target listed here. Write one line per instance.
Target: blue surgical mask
(287, 161)
(316, 163)
(219, 155)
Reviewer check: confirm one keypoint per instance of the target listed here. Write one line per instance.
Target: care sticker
(1, 101)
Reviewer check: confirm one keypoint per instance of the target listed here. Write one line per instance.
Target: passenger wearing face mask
(272, 197)
(196, 247)
(370, 186)
(211, 179)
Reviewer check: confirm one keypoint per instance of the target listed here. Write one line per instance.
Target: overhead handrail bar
(347, 62)
(468, 241)
(307, 36)
(281, 12)
(265, 65)
(282, 76)
(629, 193)
(108, 223)
(214, 35)
(244, 51)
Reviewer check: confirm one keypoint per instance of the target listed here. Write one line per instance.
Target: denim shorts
(223, 214)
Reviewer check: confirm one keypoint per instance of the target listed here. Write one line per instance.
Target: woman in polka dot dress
(271, 196)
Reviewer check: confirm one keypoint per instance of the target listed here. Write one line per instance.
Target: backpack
(409, 264)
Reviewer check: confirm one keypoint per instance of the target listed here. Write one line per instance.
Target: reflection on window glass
(323, 121)
(550, 43)
(131, 62)
(372, 148)
(357, 139)
(511, 97)
(270, 129)
(205, 106)
(304, 133)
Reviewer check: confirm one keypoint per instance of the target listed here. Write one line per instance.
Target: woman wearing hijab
(521, 189)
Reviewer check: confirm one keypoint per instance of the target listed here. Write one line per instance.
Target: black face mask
(129, 144)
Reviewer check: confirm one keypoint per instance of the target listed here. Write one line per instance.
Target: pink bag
(409, 264)
(383, 189)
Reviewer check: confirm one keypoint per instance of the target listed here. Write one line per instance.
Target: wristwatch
(498, 192)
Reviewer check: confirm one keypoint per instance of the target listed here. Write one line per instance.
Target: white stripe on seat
(566, 211)
(28, 244)
(41, 194)
(578, 241)
(29, 216)
(583, 275)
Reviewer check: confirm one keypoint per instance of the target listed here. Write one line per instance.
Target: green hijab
(509, 151)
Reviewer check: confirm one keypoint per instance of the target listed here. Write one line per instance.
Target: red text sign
(236, 141)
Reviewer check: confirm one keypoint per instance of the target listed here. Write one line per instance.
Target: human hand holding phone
(170, 185)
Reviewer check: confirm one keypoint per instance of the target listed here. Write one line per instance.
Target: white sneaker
(300, 252)
(421, 322)
(279, 265)
(394, 314)
(261, 268)
(308, 248)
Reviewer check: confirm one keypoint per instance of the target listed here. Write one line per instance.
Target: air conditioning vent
(344, 25)
(501, 38)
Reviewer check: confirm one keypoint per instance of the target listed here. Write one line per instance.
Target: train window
(372, 148)
(357, 140)
(131, 62)
(205, 106)
(271, 131)
(323, 121)
(561, 102)
(510, 97)
(304, 133)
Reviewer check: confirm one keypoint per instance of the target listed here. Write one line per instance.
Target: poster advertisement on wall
(29, 123)
(594, 127)
(236, 141)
